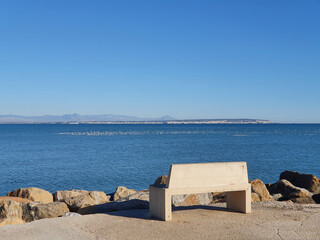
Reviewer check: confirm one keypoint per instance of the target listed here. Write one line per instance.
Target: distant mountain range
(109, 118)
(67, 118)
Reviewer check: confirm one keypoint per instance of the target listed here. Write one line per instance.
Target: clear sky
(188, 59)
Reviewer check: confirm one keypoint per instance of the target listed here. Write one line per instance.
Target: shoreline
(30, 204)
(279, 211)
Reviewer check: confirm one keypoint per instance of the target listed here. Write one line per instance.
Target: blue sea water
(102, 157)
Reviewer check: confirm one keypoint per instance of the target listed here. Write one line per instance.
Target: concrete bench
(230, 177)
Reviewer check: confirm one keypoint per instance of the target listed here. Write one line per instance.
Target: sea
(103, 156)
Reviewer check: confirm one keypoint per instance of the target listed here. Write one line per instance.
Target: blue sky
(188, 59)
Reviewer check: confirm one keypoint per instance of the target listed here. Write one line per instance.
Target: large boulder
(28, 211)
(316, 198)
(307, 181)
(288, 191)
(61, 196)
(11, 212)
(255, 197)
(36, 210)
(162, 180)
(33, 194)
(192, 199)
(259, 191)
(123, 192)
(143, 195)
(85, 200)
(16, 199)
(185, 200)
(218, 197)
(115, 206)
(50, 210)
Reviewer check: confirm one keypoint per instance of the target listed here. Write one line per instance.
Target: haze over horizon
(75, 117)
(188, 59)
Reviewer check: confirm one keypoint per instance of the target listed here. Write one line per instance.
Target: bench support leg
(160, 203)
(239, 201)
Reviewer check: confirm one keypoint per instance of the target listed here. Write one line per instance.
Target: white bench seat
(230, 177)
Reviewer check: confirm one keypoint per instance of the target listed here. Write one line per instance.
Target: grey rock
(144, 195)
(50, 210)
(71, 214)
(191, 199)
(122, 192)
(205, 198)
(277, 196)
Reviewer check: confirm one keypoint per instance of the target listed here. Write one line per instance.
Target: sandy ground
(272, 220)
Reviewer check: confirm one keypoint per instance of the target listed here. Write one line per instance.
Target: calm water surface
(101, 157)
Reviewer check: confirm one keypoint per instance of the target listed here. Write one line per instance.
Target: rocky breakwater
(29, 204)
(292, 187)
(296, 187)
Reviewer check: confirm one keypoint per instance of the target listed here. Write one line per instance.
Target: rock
(205, 198)
(33, 194)
(162, 180)
(303, 200)
(123, 192)
(316, 198)
(61, 196)
(307, 181)
(185, 200)
(255, 197)
(11, 212)
(115, 206)
(28, 211)
(288, 191)
(85, 200)
(277, 196)
(191, 199)
(99, 197)
(10, 209)
(36, 210)
(16, 199)
(258, 187)
(219, 197)
(50, 210)
(71, 214)
(143, 195)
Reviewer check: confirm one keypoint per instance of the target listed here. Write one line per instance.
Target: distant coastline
(117, 119)
(199, 121)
